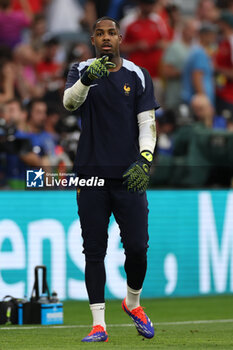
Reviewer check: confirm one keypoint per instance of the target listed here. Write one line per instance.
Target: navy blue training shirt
(108, 143)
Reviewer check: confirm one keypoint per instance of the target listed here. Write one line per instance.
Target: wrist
(85, 79)
(147, 157)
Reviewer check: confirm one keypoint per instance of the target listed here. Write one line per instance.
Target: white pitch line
(23, 328)
(193, 322)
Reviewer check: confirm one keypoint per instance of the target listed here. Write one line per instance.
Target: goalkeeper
(117, 106)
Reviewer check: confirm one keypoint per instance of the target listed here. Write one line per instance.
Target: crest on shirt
(127, 89)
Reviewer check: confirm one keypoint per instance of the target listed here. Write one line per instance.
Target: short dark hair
(31, 104)
(106, 18)
(14, 100)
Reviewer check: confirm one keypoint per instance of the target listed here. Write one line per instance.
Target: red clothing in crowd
(151, 30)
(164, 15)
(224, 59)
(48, 70)
(36, 5)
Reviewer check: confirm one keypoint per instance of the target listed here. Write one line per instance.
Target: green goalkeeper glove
(137, 175)
(97, 69)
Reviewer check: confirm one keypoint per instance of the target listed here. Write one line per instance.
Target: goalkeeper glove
(97, 69)
(137, 175)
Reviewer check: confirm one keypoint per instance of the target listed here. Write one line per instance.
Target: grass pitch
(187, 323)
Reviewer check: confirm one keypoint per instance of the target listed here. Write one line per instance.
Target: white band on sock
(134, 291)
(98, 314)
(133, 298)
(100, 306)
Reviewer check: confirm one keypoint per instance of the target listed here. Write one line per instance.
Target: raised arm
(75, 95)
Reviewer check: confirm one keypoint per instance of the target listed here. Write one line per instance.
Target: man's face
(202, 109)
(38, 114)
(190, 30)
(106, 39)
(206, 9)
(12, 112)
(146, 9)
(208, 38)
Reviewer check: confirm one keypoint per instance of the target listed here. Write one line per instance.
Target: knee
(94, 252)
(94, 249)
(137, 253)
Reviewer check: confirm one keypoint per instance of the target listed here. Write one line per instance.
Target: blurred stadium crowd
(189, 57)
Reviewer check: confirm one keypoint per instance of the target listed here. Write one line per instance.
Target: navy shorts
(130, 210)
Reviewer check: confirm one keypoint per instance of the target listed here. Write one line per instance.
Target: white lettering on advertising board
(215, 254)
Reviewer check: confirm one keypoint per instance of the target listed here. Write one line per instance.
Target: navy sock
(95, 278)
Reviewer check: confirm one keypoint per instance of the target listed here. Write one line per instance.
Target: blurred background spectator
(14, 113)
(145, 39)
(48, 68)
(185, 45)
(224, 64)
(37, 31)
(204, 113)
(7, 76)
(206, 11)
(13, 22)
(34, 6)
(173, 62)
(63, 16)
(198, 71)
(15, 146)
(28, 84)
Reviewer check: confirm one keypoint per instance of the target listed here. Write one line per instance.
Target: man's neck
(118, 62)
(33, 129)
(187, 42)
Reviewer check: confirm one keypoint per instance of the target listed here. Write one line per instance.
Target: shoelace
(139, 313)
(96, 329)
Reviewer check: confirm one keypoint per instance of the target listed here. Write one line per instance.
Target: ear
(120, 38)
(93, 40)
